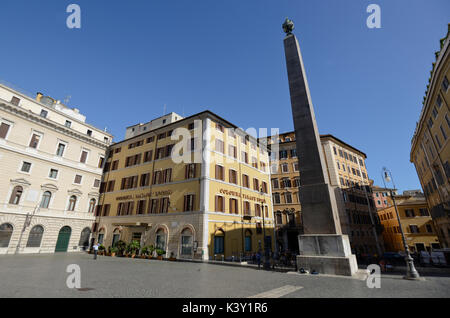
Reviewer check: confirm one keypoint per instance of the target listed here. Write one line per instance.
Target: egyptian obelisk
(323, 248)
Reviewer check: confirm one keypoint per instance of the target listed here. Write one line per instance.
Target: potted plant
(144, 252)
(113, 251)
(133, 248)
(101, 249)
(160, 253)
(172, 257)
(151, 248)
(121, 247)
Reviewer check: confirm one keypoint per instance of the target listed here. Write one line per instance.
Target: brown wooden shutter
(216, 206)
(4, 130)
(83, 156)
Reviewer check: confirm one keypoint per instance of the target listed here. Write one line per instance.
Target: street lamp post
(411, 272)
(266, 249)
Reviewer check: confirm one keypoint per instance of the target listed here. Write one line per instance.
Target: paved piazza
(45, 276)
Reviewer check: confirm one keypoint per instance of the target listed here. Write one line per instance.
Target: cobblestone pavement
(46, 276)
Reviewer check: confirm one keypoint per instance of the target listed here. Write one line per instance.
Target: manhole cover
(85, 289)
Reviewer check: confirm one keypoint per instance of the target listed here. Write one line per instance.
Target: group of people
(283, 258)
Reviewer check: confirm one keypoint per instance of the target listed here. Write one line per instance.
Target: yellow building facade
(430, 146)
(195, 187)
(416, 223)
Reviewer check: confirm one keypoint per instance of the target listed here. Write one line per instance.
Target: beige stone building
(213, 203)
(430, 146)
(347, 173)
(51, 169)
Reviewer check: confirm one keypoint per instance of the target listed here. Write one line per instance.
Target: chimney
(39, 96)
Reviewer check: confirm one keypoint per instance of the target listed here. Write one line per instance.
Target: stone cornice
(30, 116)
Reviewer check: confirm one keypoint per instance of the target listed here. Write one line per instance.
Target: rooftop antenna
(164, 112)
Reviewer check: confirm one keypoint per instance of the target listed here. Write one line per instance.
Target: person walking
(258, 259)
(95, 250)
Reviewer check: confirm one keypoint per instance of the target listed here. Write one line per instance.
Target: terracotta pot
(113, 254)
(160, 257)
(133, 255)
(143, 256)
(172, 259)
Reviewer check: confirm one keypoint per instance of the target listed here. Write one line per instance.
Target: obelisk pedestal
(323, 248)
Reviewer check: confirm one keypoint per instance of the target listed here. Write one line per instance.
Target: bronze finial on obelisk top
(288, 26)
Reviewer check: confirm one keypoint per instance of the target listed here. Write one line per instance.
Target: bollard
(222, 258)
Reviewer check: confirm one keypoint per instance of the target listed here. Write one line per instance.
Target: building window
(257, 210)
(77, 179)
(189, 202)
(247, 208)
(16, 195)
(34, 142)
(35, 236)
(219, 146)
(92, 204)
(429, 228)
(445, 83)
(234, 208)
(220, 204)
(275, 184)
(161, 239)
(53, 174)
(443, 132)
(284, 168)
(186, 242)
(141, 207)
(6, 231)
(46, 199)
(219, 243)
(232, 176)
(89, 132)
(424, 212)
(4, 128)
(60, 149)
(83, 157)
(248, 241)
(153, 206)
(276, 198)
(72, 203)
(84, 237)
(68, 123)
(245, 181)
(288, 197)
(244, 156)
(414, 229)
(44, 113)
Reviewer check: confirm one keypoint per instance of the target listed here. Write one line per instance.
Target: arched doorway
(161, 239)
(84, 238)
(187, 243)
(219, 242)
(63, 239)
(248, 241)
(35, 236)
(6, 231)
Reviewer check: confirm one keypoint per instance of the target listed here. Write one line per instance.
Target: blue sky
(131, 57)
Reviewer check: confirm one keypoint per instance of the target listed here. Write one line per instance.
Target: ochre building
(430, 146)
(214, 203)
(416, 223)
(347, 173)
